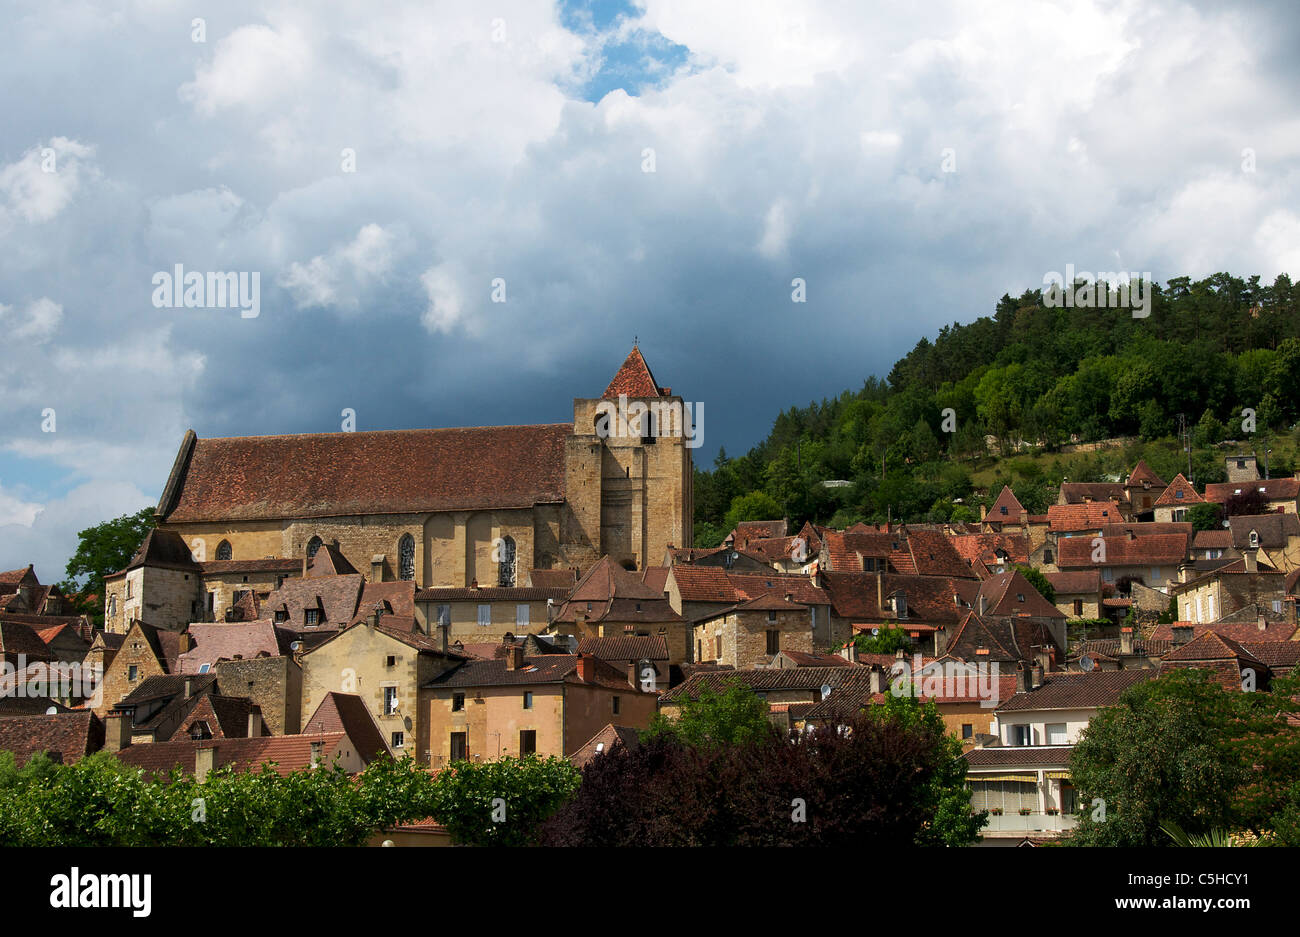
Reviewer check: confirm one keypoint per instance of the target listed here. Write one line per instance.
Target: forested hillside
(1045, 376)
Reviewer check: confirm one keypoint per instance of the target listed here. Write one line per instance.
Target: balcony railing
(1032, 823)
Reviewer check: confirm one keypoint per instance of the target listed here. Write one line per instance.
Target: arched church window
(506, 567)
(312, 546)
(406, 557)
(223, 550)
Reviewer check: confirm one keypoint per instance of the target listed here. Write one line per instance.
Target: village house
(1024, 780)
(550, 704)
(1172, 505)
(1280, 494)
(485, 614)
(1220, 592)
(698, 592)
(751, 633)
(385, 666)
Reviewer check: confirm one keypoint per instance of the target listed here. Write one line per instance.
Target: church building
(451, 507)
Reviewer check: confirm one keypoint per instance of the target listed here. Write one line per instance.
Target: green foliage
(503, 802)
(945, 796)
(1206, 516)
(1182, 749)
(736, 716)
(755, 506)
(99, 801)
(889, 641)
(103, 549)
(1029, 373)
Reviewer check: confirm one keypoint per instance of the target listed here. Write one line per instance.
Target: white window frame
(484, 615)
(522, 616)
(390, 700)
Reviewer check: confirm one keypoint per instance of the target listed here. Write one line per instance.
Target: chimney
(514, 657)
(1036, 675)
(117, 731)
(586, 668)
(1259, 621)
(254, 723)
(443, 628)
(377, 568)
(305, 563)
(633, 677)
(982, 604)
(876, 680)
(1043, 659)
(1022, 677)
(473, 583)
(1126, 641)
(1182, 634)
(880, 591)
(850, 651)
(205, 760)
(184, 641)
(983, 512)
(189, 687)
(1248, 556)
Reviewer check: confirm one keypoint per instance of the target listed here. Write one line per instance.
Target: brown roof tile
(380, 472)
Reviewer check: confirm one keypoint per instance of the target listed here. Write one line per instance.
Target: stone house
(751, 633)
(551, 704)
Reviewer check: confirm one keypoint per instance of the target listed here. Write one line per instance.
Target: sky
(465, 213)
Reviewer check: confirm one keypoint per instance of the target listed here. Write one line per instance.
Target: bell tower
(629, 472)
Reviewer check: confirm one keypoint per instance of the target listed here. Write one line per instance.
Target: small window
(1078, 608)
(1047, 556)
(527, 741)
(223, 550)
(281, 615)
(444, 614)
(1020, 735)
(1020, 596)
(132, 672)
(390, 700)
(200, 730)
(457, 702)
(521, 616)
(967, 730)
(618, 700)
(717, 647)
(773, 642)
(204, 668)
(312, 616)
(459, 747)
(313, 545)
(528, 699)
(112, 605)
(128, 588)
(1004, 509)
(406, 557)
(390, 660)
(399, 739)
(771, 614)
(484, 615)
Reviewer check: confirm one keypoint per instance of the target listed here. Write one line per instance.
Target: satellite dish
(296, 646)
(52, 711)
(826, 690)
(1087, 663)
(875, 632)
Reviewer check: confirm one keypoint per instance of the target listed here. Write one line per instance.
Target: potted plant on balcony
(1053, 811)
(1024, 811)
(996, 811)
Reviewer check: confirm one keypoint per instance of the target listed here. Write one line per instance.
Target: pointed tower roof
(1180, 491)
(1007, 499)
(1143, 477)
(634, 379)
(329, 561)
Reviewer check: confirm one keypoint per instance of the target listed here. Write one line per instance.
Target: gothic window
(312, 546)
(223, 550)
(406, 557)
(506, 568)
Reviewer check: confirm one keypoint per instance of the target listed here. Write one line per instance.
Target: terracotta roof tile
(633, 379)
(381, 472)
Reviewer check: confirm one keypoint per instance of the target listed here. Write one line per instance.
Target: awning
(1003, 777)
